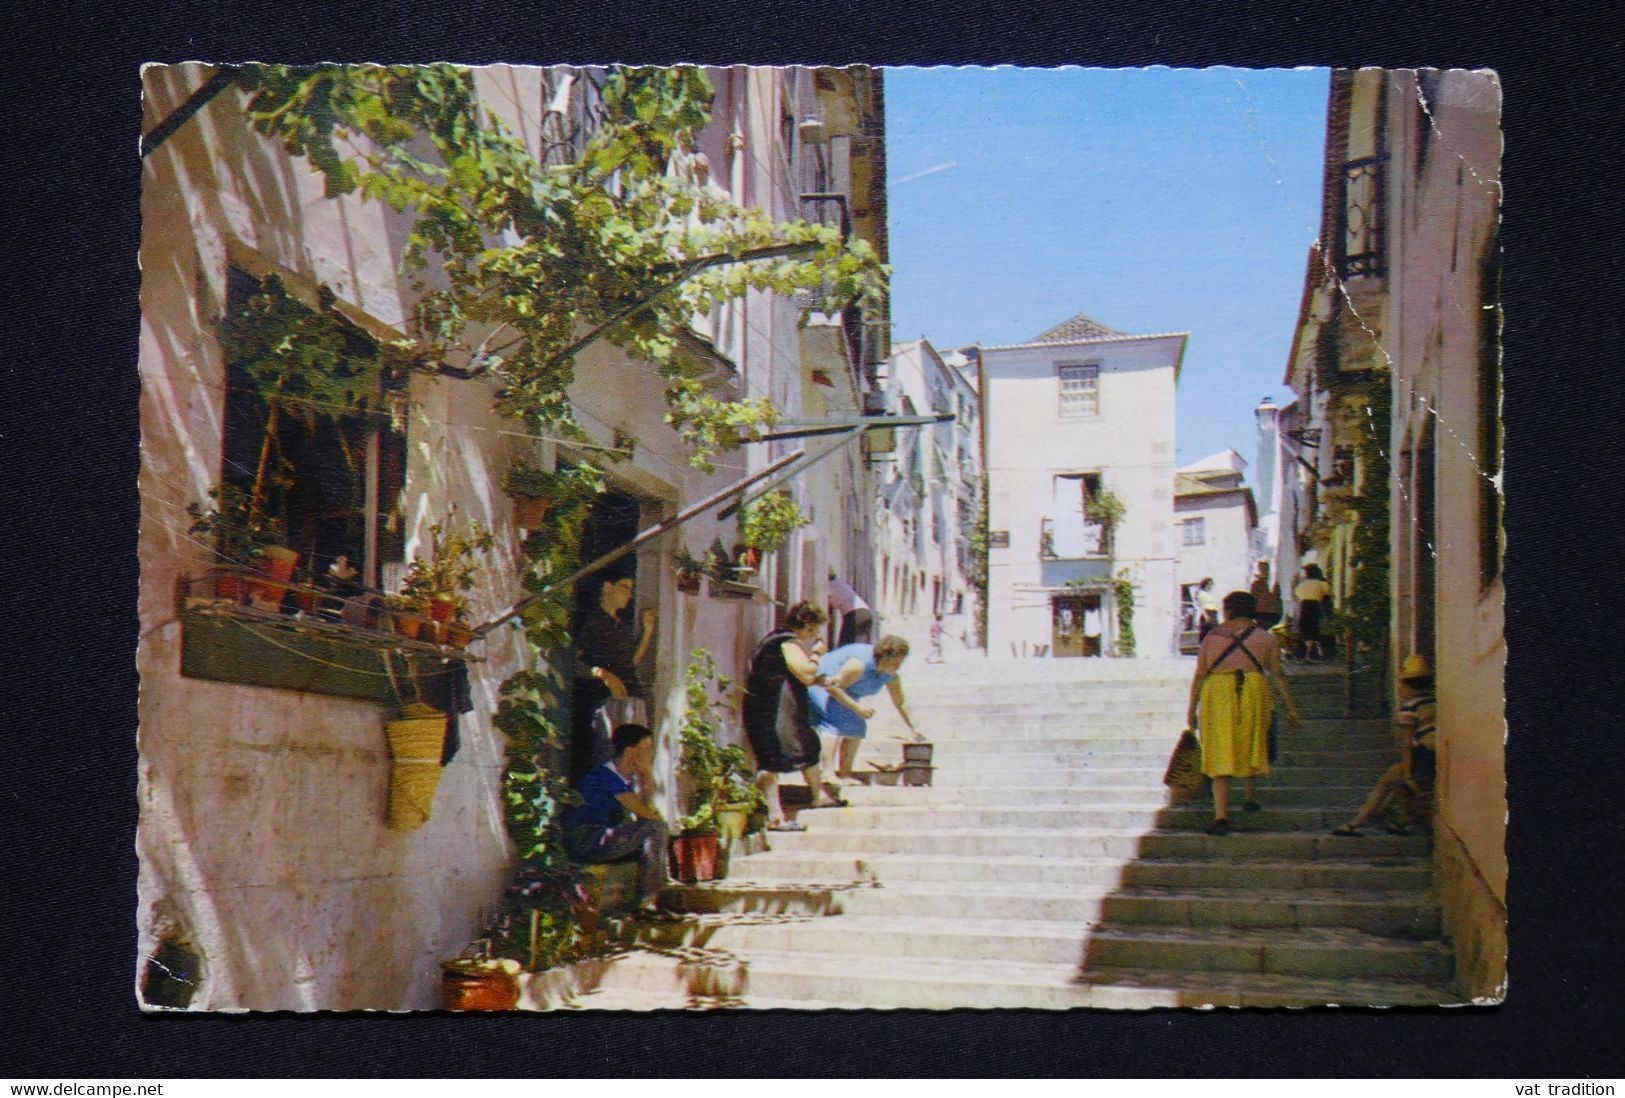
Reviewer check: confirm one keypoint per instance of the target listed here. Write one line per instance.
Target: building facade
(265, 855)
(927, 496)
(1217, 520)
(1397, 372)
(1079, 456)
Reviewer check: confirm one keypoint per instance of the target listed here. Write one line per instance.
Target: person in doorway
(856, 618)
(852, 673)
(1313, 595)
(1415, 732)
(1207, 609)
(607, 689)
(1230, 702)
(615, 817)
(776, 710)
(936, 641)
(1267, 596)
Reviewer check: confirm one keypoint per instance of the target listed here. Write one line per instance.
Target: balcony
(1089, 541)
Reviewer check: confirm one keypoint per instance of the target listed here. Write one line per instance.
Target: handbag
(1184, 777)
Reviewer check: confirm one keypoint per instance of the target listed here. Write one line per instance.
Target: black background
(68, 461)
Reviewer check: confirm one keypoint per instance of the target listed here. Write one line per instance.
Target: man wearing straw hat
(1414, 730)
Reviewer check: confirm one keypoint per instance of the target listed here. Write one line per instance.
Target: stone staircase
(1043, 868)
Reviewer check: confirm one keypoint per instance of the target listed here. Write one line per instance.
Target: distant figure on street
(1313, 594)
(599, 830)
(1230, 693)
(936, 641)
(776, 710)
(1207, 609)
(852, 673)
(856, 618)
(1268, 597)
(606, 690)
(1415, 733)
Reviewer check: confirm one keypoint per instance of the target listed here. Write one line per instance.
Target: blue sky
(1154, 200)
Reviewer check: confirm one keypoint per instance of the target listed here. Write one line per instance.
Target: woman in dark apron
(777, 721)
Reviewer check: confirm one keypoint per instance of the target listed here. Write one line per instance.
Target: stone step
(1317, 733)
(1086, 753)
(1149, 794)
(1360, 871)
(765, 980)
(1191, 989)
(1076, 906)
(1012, 773)
(1321, 952)
(1116, 818)
(1096, 843)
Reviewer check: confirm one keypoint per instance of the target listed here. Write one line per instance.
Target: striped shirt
(1419, 714)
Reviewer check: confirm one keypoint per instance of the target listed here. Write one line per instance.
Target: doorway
(1075, 626)
(612, 521)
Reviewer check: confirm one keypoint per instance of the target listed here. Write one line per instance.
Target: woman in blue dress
(854, 672)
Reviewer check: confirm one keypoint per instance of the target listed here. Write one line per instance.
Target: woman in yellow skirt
(1230, 693)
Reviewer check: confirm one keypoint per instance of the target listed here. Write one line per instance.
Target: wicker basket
(416, 741)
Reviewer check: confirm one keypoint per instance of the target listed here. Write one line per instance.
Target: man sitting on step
(598, 830)
(1414, 729)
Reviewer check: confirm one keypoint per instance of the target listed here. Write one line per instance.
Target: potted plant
(766, 522)
(532, 489)
(722, 793)
(689, 573)
(243, 536)
(435, 584)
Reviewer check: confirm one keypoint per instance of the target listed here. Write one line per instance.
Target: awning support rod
(654, 531)
(763, 489)
(219, 82)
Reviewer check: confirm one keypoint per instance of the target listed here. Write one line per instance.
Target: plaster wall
(1449, 212)
(262, 832)
(1226, 552)
(1130, 443)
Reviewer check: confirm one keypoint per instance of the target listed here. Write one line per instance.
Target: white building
(1217, 517)
(1074, 417)
(927, 500)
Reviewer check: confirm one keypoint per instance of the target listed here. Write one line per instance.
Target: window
(333, 477)
(1080, 390)
(1193, 531)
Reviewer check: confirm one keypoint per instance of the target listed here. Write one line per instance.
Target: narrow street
(1043, 869)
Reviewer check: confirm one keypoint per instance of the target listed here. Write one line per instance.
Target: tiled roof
(1078, 328)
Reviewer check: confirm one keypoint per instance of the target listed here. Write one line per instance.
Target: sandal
(1218, 827)
(833, 802)
(1349, 831)
(787, 825)
(1397, 829)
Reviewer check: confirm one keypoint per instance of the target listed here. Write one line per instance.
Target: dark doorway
(602, 641)
(1425, 547)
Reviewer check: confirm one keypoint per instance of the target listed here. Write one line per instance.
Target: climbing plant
(978, 553)
(1123, 589)
(1367, 609)
(529, 253)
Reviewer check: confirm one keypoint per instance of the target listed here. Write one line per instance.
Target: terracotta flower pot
(688, 583)
(694, 858)
(530, 512)
(406, 624)
(278, 563)
(458, 633)
(473, 985)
